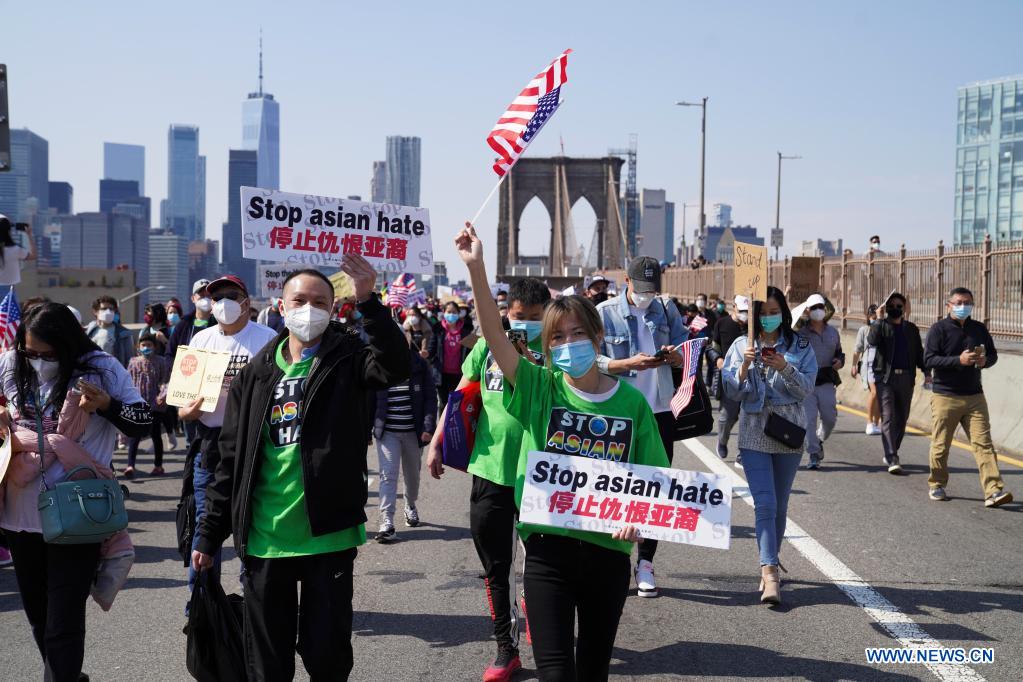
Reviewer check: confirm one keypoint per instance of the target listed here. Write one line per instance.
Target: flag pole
(489, 197)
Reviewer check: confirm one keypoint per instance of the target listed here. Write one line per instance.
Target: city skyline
(867, 168)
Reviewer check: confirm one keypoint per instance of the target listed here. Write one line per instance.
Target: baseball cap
(595, 279)
(815, 299)
(645, 273)
(741, 303)
(199, 285)
(227, 279)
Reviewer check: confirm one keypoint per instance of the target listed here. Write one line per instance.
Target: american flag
(401, 290)
(527, 114)
(690, 365)
(698, 324)
(10, 318)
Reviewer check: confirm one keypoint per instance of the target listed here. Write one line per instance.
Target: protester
(198, 319)
(726, 331)
(770, 378)
(596, 289)
(957, 348)
(150, 373)
(822, 401)
(291, 482)
(270, 316)
(567, 571)
(899, 353)
(875, 245)
(706, 311)
(54, 361)
(12, 253)
(863, 369)
(236, 334)
(404, 420)
(641, 335)
(155, 318)
(106, 331)
(174, 311)
(418, 331)
(447, 349)
(493, 464)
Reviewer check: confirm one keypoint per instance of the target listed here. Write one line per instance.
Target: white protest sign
(314, 230)
(602, 495)
(272, 275)
(5, 455)
(197, 373)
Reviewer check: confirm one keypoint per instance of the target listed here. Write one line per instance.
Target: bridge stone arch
(552, 180)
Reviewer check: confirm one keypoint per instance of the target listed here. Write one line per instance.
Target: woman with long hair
(53, 361)
(770, 377)
(11, 253)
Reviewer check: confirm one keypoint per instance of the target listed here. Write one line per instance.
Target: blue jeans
(770, 478)
(201, 479)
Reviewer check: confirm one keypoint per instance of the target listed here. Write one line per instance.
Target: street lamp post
(701, 236)
(157, 287)
(777, 205)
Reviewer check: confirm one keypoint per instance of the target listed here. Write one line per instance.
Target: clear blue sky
(864, 91)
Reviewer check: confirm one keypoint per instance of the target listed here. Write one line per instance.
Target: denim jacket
(620, 343)
(789, 386)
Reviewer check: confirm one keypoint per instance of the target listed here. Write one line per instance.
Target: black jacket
(424, 399)
(946, 340)
(335, 428)
(882, 337)
(183, 332)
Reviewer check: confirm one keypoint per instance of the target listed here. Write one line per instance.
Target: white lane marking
(897, 624)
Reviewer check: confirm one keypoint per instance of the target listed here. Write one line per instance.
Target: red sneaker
(504, 666)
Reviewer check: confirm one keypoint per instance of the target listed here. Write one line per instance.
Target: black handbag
(214, 650)
(785, 432)
(696, 419)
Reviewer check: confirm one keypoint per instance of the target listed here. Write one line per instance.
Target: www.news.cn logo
(930, 655)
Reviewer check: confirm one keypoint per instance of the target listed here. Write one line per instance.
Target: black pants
(492, 516)
(666, 427)
(322, 620)
(448, 383)
(565, 577)
(895, 397)
(156, 436)
(54, 582)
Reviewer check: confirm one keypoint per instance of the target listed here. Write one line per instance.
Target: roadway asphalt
(955, 568)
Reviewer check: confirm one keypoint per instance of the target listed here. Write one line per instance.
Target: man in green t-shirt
(291, 482)
(494, 466)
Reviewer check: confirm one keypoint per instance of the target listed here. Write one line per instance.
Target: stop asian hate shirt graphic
(589, 435)
(285, 417)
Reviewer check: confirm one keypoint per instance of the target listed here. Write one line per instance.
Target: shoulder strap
(42, 440)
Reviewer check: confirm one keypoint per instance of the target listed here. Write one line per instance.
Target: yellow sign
(344, 287)
(751, 271)
(197, 373)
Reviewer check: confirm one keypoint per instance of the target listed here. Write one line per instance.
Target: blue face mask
(146, 351)
(531, 327)
(770, 323)
(451, 318)
(574, 358)
(174, 318)
(961, 312)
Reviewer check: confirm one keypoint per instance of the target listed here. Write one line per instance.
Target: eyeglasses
(233, 295)
(33, 355)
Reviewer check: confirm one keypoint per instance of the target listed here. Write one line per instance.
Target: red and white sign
(601, 495)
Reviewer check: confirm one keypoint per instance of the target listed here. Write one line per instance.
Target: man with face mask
(726, 331)
(827, 346)
(198, 319)
(291, 483)
(236, 334)
(596, 289)
(107, 332)
(638, 326)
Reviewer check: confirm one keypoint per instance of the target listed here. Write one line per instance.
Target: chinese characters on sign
(197, 373)
(272, 276)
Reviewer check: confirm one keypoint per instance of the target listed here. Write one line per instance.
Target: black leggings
(448, 383)
(666, 428)
(564, 577)
(492, 516)
(156, 435)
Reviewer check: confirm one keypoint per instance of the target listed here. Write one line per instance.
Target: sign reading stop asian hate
(304, 229)
(751, 271)
(602, 495)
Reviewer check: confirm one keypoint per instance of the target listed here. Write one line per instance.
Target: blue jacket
(620, 330)
(789, 386)
(424, 400)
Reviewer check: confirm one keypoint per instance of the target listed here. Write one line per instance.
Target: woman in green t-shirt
(568, 571)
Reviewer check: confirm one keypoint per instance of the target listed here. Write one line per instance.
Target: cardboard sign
(312, 230)
(344, 286)
(197, 373)
(804, 277)
(272, 276)
(751, 270)
(602, 495)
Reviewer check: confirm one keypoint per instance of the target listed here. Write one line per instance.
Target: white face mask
(227, 311)
(743, 316)
(45, 369)
(642, 301)
(701, 303)
(105, 315)
(818, 315)
(204, 305)
(306, 323)
(413, 321)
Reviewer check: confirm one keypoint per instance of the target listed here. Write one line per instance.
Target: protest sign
(314, 230)
(272, 276)
(197, 373)
(344, 287)
(602, 495)
(804, 277)
(444, 291)
(751, 271)
(5, 455)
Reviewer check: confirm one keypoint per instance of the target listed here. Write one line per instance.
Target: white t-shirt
(10, 273)
(242, 346)
(645, 381)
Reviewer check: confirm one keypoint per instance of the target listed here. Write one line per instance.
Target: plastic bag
(214, 651)
(463, 412)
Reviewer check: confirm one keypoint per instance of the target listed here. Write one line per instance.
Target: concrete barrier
(1003, 386)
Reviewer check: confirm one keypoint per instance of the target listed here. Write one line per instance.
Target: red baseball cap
(227, 279)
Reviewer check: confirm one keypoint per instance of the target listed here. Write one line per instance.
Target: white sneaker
(869, 430)
(645, 583)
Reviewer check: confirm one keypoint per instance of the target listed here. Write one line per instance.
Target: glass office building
(989, 162)
(402, 170)
(125, 162)
(29, 177)
(242, 170)
(261, 120)
(185, 211)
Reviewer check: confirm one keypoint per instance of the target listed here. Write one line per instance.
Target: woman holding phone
(770, 377)
(567, 572)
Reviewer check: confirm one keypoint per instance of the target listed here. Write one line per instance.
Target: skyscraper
(378, 185)
(113, 192)
(168, 265)
(185, 212)
(403, 170)
(261, 119)
(203, 259)
(125, 162)
(62, 197)
(242, 169)
(102, 240)
(989, 162)
(656, 225)
(26, 187)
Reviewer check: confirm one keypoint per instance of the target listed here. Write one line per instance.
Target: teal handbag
(78, 512)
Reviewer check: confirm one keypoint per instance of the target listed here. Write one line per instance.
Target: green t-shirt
(280, 524)
(557, 419)
(495, 455)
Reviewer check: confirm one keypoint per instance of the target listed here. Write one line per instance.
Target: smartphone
(768, 352)
(21, 227)
(979, 349)
(517, 335)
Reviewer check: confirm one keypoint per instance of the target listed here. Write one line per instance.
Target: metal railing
(852, 282)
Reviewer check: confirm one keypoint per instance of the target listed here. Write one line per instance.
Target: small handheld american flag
(10, 318)
(401, 289)
(690, 365)
(698, 324)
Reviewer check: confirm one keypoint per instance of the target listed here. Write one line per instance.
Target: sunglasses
(33, 355)
(233, 295)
